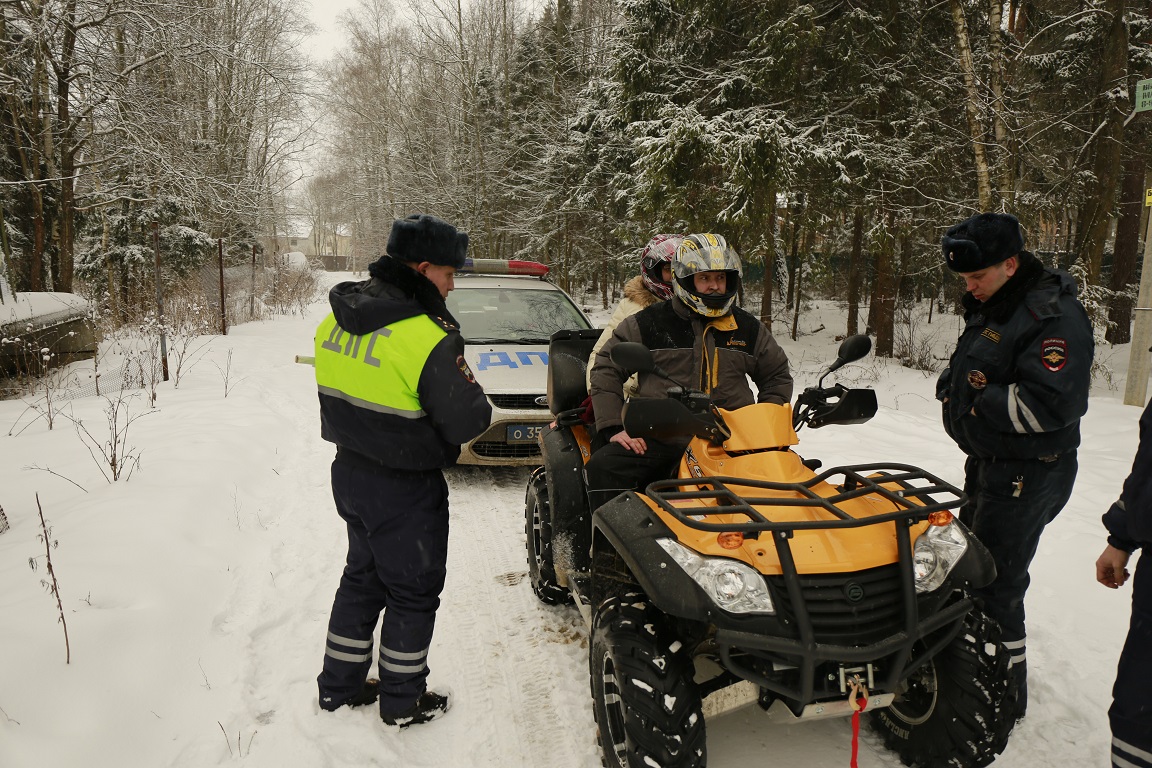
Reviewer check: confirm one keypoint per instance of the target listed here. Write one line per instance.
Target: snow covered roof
(40, 309)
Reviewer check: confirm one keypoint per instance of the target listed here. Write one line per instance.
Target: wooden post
(1136, 387)
(160, 302)
(252, 289)
(223, 314)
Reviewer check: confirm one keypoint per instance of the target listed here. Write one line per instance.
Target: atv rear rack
(914, 498)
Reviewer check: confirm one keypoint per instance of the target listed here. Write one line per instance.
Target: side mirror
(851, 349)
(633, 357)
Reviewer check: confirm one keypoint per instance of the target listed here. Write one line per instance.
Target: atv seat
(568, 353)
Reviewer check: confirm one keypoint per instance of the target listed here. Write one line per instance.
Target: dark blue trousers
(1009, 503)
(397, 549)
(614, 469)
(1131, 713)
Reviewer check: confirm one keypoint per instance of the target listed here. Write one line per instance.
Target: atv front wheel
(646, 704)
(538, 533)
(956, 711)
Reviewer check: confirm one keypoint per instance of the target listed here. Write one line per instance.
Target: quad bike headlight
(732, 585)
(935, 555)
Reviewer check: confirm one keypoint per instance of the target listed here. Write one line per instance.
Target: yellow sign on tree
(1148, 197)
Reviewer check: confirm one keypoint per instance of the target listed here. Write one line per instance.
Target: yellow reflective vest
(400, 394)
(378, 371)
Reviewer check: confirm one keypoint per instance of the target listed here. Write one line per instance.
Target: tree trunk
(799, 282)
(884, 300)
(1096, 213)
(793, 261)
(68, 148)
(1003, 158)
(854, 277)
(1126, 251)
(769, 252)
(604, 275)
(972, 106)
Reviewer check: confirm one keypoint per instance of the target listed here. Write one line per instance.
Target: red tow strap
(858, 706)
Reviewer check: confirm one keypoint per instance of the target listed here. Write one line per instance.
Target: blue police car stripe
(370, 406)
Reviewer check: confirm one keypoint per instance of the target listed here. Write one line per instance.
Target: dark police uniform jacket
(393, 383)
(1024, 363)
(1129, 519)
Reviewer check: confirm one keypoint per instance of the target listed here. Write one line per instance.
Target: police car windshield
(504, 316)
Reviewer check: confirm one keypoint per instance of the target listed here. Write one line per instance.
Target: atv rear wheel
(538, 533)
(646, 704)
(956, 711)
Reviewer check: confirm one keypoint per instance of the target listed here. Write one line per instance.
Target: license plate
(524, 433)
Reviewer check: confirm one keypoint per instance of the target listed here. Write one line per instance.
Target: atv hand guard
(847, 406)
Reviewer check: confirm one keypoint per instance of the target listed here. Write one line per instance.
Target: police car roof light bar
(503, 267)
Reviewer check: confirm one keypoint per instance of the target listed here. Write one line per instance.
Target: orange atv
(751, 576)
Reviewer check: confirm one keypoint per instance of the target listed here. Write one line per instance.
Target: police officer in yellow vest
(398, 399)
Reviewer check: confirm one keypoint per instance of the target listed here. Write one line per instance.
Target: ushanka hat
(421, 237)
(981, 241)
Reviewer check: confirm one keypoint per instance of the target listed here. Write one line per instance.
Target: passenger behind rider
(702, 340)
(651, 286)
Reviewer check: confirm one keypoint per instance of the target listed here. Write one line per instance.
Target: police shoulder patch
(465, 371)
(1054, 353)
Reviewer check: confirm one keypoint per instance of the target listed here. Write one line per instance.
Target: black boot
(428, 707)
(1020, 673)
(367, 694)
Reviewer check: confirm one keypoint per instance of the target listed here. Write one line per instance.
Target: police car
(507, 311)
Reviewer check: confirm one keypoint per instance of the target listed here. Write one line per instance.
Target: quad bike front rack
(915, 494)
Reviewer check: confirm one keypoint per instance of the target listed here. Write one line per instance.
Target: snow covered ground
(196, 594)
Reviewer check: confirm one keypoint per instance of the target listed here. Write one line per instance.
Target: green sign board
(1144, 95)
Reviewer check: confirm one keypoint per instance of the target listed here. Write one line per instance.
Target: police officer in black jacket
(1013, 394)
(1129, 524)
(398, 399)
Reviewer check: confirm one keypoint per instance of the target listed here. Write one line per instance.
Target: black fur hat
(421, 237)
(981, 241)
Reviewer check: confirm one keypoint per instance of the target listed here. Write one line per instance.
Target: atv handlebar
(815, 406)
(837, 404)
(813, 401)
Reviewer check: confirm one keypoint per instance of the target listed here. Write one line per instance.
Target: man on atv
(699, 338)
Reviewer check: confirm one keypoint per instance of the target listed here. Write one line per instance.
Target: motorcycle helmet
(658, 252)
(706, 253)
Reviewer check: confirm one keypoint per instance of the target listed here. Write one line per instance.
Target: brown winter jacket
(716, 356)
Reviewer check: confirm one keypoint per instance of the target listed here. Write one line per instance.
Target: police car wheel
(538, 537)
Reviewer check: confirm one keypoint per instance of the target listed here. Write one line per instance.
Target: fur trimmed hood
(636, 291)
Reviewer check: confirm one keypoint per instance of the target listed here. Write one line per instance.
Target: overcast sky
(323, 15)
